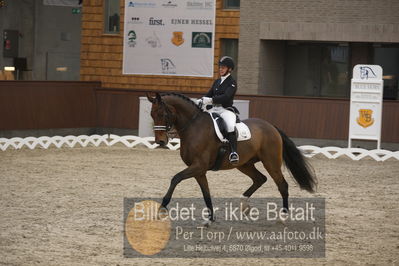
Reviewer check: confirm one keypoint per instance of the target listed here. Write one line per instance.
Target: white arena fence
(174, 144)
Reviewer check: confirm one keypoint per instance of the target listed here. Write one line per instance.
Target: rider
(221, 96)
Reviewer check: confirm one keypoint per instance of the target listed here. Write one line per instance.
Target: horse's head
(164, 118)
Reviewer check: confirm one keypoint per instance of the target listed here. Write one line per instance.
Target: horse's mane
(181, 96)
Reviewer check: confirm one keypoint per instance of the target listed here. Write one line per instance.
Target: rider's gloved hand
(207, 100)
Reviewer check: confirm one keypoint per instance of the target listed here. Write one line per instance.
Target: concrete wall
(49, 36)
(318, 20)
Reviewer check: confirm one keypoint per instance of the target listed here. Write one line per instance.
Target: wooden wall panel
(101, 54)
(390, 121)
(304, 117)
(52, 104)
(316, 117)
(47, 104)
(297, 116)
(118, 108)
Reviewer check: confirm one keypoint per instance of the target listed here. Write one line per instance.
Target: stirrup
(234, 158)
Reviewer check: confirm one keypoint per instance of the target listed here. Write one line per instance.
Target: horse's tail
(299, 167)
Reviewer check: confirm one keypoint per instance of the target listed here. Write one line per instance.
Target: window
(323, 69)
(231, 4)
(111, 16)
(317, 69)
(387, 56)
(229, 47)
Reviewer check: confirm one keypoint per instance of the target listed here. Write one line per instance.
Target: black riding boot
(233, 158)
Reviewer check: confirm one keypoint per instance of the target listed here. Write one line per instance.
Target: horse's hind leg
(258, 180)
(274, 169)
(257, 177)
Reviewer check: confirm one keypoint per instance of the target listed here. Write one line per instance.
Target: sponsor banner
(169, 37)
(366, 103)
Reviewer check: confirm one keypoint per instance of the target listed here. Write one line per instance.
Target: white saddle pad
(242, 130)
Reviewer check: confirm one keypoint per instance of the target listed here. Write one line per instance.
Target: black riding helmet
(227, 61)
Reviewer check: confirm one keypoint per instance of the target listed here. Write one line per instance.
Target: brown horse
(199, 147)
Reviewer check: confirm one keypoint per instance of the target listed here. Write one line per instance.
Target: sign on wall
(73, 3)
(169, 37)
(366, 104)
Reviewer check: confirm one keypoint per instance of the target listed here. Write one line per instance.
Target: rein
(190, 121)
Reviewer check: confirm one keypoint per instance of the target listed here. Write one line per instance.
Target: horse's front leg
(191, 171)
(203, 183)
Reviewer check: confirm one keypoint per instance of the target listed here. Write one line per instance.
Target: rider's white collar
(223, 78)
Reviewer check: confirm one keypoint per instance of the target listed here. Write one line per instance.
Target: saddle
(242, 130)
(242, 133)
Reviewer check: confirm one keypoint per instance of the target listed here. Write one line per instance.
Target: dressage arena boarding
(62, 200)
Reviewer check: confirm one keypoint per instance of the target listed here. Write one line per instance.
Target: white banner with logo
(366, 104)
(169, 37)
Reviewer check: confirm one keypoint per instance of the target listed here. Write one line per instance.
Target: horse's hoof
(207, 223)
(281, 221)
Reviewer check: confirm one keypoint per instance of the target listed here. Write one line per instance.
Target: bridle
(168, 118)
(169, 121)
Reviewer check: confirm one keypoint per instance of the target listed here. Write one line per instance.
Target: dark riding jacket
(223, 93)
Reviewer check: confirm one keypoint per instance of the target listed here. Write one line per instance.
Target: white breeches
(228, 116)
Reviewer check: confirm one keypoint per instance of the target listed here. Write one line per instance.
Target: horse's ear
(152, 100)
(158, 97)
